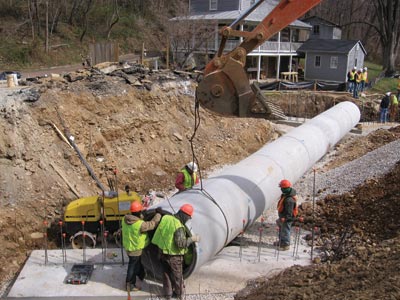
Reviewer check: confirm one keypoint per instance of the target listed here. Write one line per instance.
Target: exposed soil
(143, 130)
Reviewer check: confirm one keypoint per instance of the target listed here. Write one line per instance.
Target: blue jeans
(355, 90)
(135, 268)
(284, 232)
(362, 86)
(383, 116)
(351, 86)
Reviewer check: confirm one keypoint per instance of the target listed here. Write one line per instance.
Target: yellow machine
(88, 219)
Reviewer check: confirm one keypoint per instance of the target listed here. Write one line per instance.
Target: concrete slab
(227, 273)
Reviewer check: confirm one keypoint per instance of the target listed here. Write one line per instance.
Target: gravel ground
(349, 176)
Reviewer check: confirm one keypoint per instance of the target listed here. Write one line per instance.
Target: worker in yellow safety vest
(173, 241)
(134, 240)
(187, 177)
(357, 83)
(364, 79)
(350, 79)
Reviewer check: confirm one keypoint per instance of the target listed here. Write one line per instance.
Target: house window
(317, 63)
(334, 62)
(213, 4)
(316, 29)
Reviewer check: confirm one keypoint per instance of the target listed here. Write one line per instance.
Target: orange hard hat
(285, 184)
(136, 206)
(187, 209)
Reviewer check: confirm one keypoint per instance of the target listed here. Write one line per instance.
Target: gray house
(330, 60)
(323, 29)
(278, 54)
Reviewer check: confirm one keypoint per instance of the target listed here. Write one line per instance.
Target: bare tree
(114, 18)
(85, 19)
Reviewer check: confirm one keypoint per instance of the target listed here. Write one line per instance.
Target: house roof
(329, 45)
(255, 17)
(319, 21)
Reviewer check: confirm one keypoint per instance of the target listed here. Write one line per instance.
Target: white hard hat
(365, 68)
(354, 68)
(388, 93)
(192, 166)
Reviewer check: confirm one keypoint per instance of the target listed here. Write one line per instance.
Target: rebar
(83, 242)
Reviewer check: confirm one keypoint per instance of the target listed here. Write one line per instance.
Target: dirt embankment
(142, 132)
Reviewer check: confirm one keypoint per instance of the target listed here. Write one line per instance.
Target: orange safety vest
(280, 205)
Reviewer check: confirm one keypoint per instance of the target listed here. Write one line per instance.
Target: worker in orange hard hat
(287, 211)
(187, 177)
(134, 240)
(173, 241)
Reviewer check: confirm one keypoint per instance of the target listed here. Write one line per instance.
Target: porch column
(258, 67)
(278, 61)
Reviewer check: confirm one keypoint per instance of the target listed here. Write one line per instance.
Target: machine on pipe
(225, 87)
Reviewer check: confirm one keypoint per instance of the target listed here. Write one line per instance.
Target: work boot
(284, 247)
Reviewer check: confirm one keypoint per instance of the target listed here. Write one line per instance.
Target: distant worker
(187, 177)
(287, 212)
(350, 79)
(134, 240)
(357, 83)
(393, 107)
(364, 79)
(172, 240)
(383, 107)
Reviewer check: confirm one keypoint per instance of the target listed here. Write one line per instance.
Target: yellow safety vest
(189, 180)
(164, 235)
(132, 238)
(364, 76)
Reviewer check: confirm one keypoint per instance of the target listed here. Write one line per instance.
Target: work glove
(195, 238)
(159, 210)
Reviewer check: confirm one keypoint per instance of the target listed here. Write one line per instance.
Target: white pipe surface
(234, 198)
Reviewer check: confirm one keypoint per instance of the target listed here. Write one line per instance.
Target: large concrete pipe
(238, 195)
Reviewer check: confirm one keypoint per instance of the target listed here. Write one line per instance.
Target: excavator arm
(225, 87)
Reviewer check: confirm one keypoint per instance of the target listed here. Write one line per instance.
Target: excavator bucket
(226, 91)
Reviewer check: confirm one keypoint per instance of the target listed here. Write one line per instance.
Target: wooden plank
(62, 175)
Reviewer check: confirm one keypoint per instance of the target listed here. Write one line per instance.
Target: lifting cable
(196, 126)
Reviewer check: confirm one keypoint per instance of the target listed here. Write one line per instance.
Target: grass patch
(385, 85)
(374, 70)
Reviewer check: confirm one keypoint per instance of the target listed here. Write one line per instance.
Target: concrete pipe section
(233, 199)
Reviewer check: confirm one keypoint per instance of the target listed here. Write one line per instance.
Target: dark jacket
(385, 102)
(288, 205)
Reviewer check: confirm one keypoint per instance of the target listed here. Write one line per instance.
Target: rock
(178, 136)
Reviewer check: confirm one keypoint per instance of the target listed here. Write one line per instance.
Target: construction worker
(187, 177)
(172, 240)
(134, 240)
(350, 79)
(364, 79)
(287, 211)
(393, 107)
(357, 83)
(383, 107)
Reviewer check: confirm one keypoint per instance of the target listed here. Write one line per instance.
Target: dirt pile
(142, 131)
